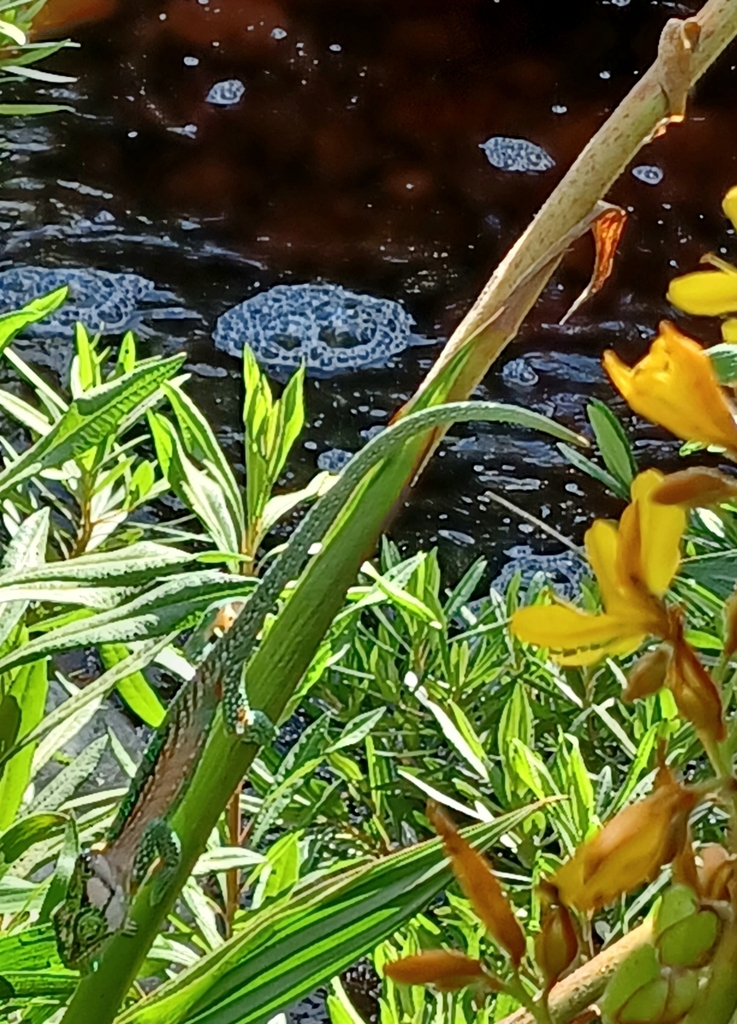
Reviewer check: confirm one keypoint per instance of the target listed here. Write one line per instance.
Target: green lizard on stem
(140, 839)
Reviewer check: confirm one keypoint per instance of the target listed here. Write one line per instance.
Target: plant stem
(574, 994)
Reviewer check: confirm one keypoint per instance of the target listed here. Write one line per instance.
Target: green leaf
(21, 836)
(514, 724)
(27, 695)
(717, 572)
(27, 548)
(613, 443)
(92, 694)
(200, 444)
(724, 361)
(134, 689)
(29, 109)
(65, 862)
(594, 471)
(287, 951)
(11, 324)
(357, 729)
(175, 604)
(90, 419)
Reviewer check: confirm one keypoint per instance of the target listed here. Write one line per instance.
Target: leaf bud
(480, 886)
(447, 970)
(556, 944)
(648, 674)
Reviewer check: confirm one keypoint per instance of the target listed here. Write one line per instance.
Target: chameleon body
(104, 878)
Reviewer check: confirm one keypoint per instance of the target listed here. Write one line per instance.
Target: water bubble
(558, 108)
(191, 62)
(278, 33)
(509, 154)
(335, 47)
(605, 74)
(648, 173)
(227, 93)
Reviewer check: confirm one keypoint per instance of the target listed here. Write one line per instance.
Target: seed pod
(715, 872)
(480, 886)
(648, 674)
(556, 944)
(694, 691)
(697, 487)
(637, 971)
(447, 970)
(647, 1005)
(689, 942)
(682, 991)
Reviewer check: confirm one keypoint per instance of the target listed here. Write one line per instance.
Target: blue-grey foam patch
(564, 571)
(330, 329)
(648, 173)
(518, 372)
(334, 459)
(509, 154)
(104, 302)
(227, 93)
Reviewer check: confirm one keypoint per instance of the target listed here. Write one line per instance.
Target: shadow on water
(352, 155)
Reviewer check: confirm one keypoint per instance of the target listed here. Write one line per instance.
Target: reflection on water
(219, 148)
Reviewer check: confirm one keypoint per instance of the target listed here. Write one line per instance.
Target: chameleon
(140, 840)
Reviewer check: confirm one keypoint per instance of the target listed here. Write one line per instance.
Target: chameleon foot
(158, 842)
(258, 728)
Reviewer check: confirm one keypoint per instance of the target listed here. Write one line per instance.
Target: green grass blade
(286, 952)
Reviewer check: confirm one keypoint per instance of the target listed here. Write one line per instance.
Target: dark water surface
(353, 156)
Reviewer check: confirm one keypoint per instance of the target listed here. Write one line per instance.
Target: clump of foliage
(19, 54)
(405, 690)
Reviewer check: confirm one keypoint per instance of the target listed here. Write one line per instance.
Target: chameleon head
(93, 910)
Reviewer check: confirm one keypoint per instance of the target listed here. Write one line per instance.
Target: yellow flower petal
(675, 386)
(661, 529)
(572, 636)
(729, 331)
(729, 205)
(601, 551)
(705, 292)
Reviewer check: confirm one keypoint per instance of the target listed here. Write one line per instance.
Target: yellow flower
(729, 205)
(634, 562)
(630, 849)
(675, 386)
(711, 292)
(706, 292)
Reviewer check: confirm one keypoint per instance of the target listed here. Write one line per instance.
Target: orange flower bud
(697, 487)
(696, 696)
(630, 849)
(447, 970)
(480, 886)
(556, 944)
(648, 674)
(715, 872)
(730, 626)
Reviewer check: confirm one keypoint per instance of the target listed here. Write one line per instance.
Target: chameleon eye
(91, 927)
